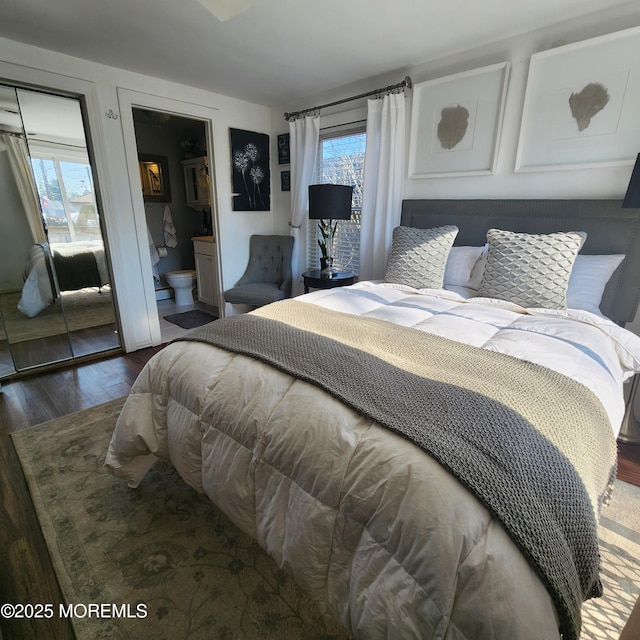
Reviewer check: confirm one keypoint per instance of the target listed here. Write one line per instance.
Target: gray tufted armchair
(267, 277)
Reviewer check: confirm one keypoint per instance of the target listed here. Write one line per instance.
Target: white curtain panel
(382, 183)
(21, 167)
(304, 136)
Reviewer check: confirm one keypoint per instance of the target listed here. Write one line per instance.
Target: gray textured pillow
(419, 256)
(531, 270)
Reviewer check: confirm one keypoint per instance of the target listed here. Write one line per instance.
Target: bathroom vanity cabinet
(204, 248)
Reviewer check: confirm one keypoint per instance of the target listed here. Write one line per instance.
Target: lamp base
(327, 268)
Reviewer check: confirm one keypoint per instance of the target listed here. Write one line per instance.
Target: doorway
(173, 160)
(56, 294)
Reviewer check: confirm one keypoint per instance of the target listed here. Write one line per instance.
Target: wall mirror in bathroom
(56, 298)
(154, 178)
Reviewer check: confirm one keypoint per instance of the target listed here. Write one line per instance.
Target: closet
(56, 292)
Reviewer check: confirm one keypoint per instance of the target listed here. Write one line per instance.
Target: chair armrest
(286, 286)
(244, 279)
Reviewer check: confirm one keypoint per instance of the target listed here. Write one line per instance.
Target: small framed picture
(285, 180)
(283, 149)
(154, 177)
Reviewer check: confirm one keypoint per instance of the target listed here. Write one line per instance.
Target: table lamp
(329, 202)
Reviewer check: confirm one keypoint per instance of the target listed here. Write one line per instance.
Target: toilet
(182, 284)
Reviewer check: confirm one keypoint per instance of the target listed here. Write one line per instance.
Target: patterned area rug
(190, 319)
(620, 550)
(162, 545)
(168, 548)
(83, 309)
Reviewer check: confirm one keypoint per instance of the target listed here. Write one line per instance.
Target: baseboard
(164, 294)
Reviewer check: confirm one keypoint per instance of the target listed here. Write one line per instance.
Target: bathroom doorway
(174, 179)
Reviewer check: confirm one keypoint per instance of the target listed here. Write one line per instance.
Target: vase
(327, 270)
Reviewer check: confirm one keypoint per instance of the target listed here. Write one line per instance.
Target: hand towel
(170, 238)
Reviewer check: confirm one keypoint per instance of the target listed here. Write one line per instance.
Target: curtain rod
(53, 143)
(405, 83)
(12, 133)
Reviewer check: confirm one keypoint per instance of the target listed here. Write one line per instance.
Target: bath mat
(190, 319)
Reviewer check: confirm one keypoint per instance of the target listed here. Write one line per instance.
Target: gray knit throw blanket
(533, 445)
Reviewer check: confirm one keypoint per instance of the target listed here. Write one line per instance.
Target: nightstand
(315, 280)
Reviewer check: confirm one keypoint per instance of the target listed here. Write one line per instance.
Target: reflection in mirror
(55, 295)
(6, 360)
(10, 127)
(22, 230)
(66, 191)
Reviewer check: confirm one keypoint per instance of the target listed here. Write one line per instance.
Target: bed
(427, 462)
(56, 267)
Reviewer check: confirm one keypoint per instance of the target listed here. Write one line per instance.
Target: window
(341, 161)
(65, 187)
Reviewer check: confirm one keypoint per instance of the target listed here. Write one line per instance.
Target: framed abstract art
(251, 177)
(580, 105)
(456, 123)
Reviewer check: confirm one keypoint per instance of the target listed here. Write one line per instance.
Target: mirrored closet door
(56, 298)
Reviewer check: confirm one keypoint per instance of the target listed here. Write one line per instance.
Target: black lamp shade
(330, 201)
(632, 197)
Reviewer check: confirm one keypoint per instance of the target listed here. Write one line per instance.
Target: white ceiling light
(225, 9)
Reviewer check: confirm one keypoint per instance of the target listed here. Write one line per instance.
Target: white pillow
(588, 280)
(460, 264)
(478, 269)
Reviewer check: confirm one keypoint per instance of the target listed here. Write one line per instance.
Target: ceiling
(276, 51)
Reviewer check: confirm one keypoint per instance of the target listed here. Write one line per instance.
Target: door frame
(128, 100)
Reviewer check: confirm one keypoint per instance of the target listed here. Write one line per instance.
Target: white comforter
(385, 539)
(581, 345)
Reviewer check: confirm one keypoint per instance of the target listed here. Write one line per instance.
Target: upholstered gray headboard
(609, 228)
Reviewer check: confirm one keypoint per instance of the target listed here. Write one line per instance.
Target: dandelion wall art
(251, 179)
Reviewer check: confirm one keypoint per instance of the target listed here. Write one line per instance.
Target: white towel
(170, 238)
(155, 258)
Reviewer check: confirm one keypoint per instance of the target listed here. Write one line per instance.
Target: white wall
(116, 163)
(605, 182)
(107, 89)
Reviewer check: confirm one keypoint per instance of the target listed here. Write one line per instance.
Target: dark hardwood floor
(26, 573)
(629, 463)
